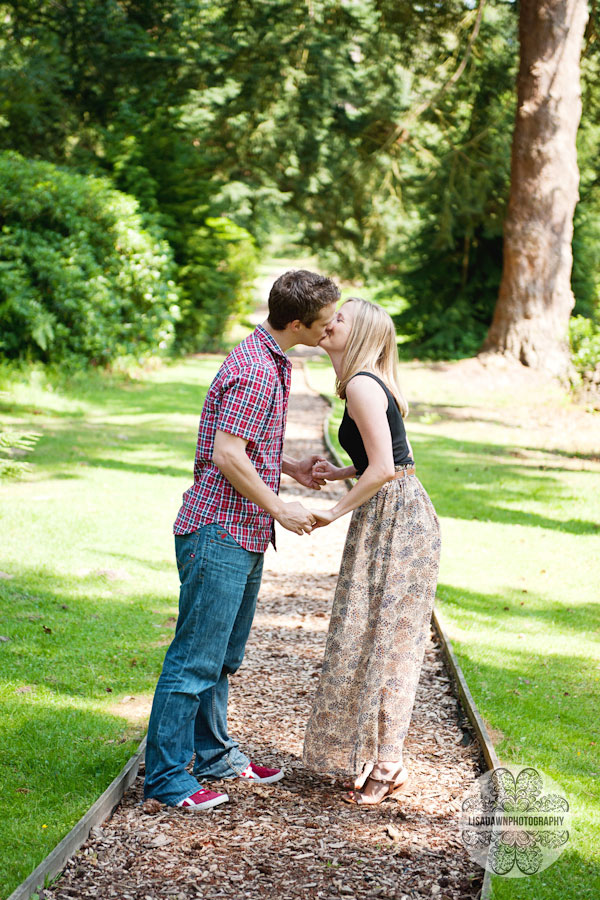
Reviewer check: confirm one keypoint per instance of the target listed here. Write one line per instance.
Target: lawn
(513, 468)
(88, 588)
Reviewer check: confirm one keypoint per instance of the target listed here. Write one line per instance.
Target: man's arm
(230, 457)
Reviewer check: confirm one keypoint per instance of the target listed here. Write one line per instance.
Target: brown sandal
(395, 787)
(361, 779)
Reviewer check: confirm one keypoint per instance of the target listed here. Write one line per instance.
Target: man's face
(311, 336)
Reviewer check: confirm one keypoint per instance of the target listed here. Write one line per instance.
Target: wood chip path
(296, 839)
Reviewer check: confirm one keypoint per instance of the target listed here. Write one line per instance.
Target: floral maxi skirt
(378, 630)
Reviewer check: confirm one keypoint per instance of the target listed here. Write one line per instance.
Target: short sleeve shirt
(247, 398)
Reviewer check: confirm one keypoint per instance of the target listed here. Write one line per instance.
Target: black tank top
(351, 441)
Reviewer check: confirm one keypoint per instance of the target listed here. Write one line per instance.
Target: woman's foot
(385, 779)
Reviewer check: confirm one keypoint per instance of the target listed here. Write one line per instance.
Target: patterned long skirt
(378, 630)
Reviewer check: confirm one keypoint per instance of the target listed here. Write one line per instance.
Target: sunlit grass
(519, 582)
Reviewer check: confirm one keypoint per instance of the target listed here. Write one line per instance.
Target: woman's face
(338, 331)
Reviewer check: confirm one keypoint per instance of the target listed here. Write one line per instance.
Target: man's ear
(294, 326)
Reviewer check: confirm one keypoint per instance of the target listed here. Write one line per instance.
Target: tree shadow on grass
(70, 655)
(77, 437)
(513, 610)
(542, 707)
(130, 399)
(54, 764)
(571, 876)
(66, 447)
(592, 457)
(542, 697)
(464, 483)
(431, 413)
(119, 395)
(74, 643)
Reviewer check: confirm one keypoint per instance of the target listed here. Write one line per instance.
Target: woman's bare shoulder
(364, 389)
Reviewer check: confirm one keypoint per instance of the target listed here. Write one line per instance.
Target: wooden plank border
(462, 690)
(466, 698)
(476, 719)
(104, 806)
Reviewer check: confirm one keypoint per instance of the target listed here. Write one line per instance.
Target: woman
(386, 587)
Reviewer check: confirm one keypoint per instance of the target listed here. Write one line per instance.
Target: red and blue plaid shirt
(248, 398)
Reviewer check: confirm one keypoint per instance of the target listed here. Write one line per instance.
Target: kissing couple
(388, 575)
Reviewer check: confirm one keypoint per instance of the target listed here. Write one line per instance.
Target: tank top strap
(379, 381)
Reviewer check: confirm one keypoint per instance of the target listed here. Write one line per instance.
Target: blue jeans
(219, 586)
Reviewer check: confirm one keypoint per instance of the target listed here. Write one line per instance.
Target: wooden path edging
(461, 687)
(54, 863)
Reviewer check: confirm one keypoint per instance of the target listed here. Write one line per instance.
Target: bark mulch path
(296, 839)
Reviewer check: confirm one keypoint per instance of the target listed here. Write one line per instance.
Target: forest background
(149, 151)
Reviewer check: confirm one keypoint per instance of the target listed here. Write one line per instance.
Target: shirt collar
(269, 341)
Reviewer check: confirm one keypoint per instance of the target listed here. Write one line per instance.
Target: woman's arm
(367, 405)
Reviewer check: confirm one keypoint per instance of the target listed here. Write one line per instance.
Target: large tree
(535, 299)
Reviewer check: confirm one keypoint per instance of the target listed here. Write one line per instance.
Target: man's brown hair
(299, 294)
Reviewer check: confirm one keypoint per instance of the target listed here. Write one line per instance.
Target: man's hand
(295, 517)
(304, 473)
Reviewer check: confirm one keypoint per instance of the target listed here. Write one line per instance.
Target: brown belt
(402, 473)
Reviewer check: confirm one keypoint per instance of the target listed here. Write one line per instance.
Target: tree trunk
(535, 299)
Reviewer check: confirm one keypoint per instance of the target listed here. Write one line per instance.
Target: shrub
(215, 257)
(82, 276)
(584, 335)
(217, 284)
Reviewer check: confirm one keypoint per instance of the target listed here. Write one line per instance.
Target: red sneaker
(203, 799)
(261, 774)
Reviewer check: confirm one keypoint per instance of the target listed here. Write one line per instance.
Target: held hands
(305, 472)
(296, 517)
(313, 472)
(324, 471)
(322, 517)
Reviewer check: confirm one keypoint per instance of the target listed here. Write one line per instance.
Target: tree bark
(535, 299)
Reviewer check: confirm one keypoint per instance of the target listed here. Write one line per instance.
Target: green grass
(88, 589)
(519, 579)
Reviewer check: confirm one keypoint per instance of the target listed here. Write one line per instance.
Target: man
(221, 533)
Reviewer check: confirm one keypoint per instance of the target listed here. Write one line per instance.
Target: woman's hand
(323, 517)
(323, 469)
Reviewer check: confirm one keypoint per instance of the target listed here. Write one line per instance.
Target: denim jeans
(219, 586)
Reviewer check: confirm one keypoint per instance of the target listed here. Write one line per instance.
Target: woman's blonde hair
(371, 347)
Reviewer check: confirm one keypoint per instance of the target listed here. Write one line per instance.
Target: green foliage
(451, 270)
(378, 130)
(107, 86)
(215, 257)
(217, 282)
(393, 178)
(81, 278)
(585, 279)
(14, 445)
(584, 335)
(313, 107)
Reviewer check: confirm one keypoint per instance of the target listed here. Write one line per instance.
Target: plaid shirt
(248, 398)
